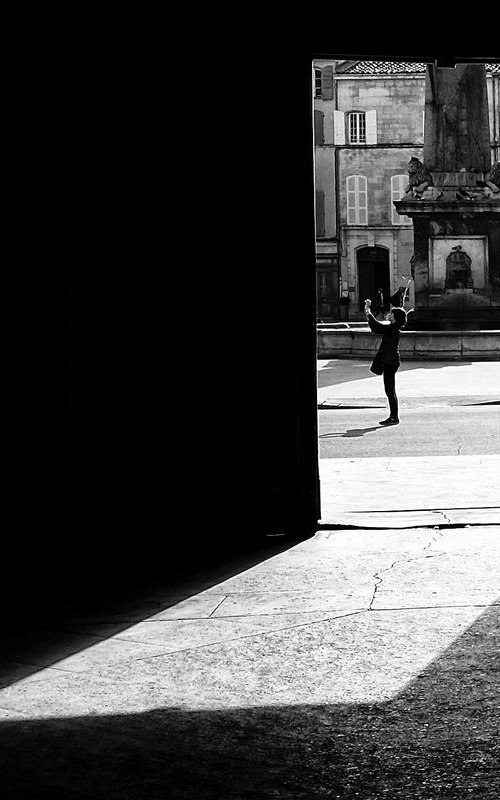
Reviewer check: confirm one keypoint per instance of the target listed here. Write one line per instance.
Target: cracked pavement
(358, 663)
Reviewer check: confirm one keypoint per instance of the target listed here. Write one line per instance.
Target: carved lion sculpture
(419, 179)
(492, 179)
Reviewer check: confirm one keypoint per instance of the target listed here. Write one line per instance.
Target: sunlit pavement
(405, 491)
(362, 662)
(357, 663)
(440, 465)
(351, 378)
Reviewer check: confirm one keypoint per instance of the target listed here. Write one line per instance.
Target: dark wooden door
(327, 292)
(373, 274)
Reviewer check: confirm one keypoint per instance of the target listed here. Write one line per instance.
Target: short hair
(399, 316)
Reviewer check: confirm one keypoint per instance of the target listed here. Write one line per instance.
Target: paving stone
(409, 483)
(301, 693)
(174, 635)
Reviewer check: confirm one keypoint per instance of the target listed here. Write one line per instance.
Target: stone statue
(492, 180)
(489, 188)
(456, 131)
(419, 179)
(458, 269)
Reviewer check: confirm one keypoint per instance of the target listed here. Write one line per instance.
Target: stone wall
(418, 345)
(378, 165)
(399, 105)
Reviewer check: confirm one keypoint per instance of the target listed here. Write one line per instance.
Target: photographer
(387, 360)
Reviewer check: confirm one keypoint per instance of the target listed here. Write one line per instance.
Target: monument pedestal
(456, 216)
(456, 260)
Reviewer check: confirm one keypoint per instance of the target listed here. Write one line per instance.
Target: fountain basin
(460, 345)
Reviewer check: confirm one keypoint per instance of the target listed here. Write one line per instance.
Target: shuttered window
(362, 127)
(319, 128)
(327, 83)
(398, 184)
(357, 127)
(357, 200)
(320, 214)
(318, 81)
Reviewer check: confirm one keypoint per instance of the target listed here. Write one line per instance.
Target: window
(317, 83)
(357, 127)
(398, 184)
(319, 128)
(320, 214)
(357, 200)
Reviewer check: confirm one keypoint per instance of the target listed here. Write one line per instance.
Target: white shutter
(351, 200)
(403, 181)
(398, 185)
(357, 200)
(371, 127)
(395, 195)
(338, 127)
(362, 201)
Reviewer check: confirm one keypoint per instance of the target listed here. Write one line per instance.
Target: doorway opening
(373, 275)
(327, 289)
(390, 476)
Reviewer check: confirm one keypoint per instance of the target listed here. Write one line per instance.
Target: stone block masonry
(418, 345)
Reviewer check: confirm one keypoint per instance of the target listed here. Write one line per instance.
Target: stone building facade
(368, 122)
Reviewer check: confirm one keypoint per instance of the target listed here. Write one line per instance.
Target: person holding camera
(388, 360)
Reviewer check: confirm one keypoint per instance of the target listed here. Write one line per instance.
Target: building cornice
(396, 228)
(387, 146)
(392, 76)
(362, 76)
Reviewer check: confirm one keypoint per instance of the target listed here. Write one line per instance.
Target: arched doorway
(373, 274)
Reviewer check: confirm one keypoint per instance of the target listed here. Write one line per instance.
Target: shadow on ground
(352, 433)
(438, 738)
(340, 371)
(486, 403)
(122, 603)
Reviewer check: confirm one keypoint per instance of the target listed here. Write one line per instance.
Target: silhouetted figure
(379, 303)
(388, 360)
(344, 303)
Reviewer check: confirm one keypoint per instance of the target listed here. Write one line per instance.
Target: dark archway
(373, 274)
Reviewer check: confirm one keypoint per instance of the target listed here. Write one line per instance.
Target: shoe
(390, 421)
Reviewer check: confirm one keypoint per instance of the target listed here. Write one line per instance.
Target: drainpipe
(335, 165)
(496, 134)
(336, 178)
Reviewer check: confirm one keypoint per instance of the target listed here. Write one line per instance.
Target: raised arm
(375, 325)
(406, 292)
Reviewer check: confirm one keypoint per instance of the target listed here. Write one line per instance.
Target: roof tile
(397, 68)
